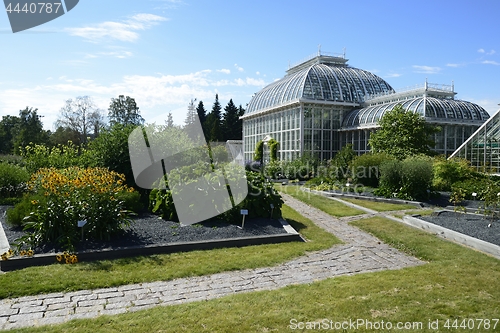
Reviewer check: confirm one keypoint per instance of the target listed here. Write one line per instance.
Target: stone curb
(454, 236)
(47, 259)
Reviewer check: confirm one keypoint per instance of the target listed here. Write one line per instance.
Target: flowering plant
(63, 197)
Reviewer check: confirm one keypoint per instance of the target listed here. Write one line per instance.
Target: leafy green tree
(29, 129)
(124, 110)
(62, 135)
(8, 126)
(402, 134)
(110, 150)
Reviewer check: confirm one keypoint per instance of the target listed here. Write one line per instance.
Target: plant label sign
(244, 212)
(82, 223)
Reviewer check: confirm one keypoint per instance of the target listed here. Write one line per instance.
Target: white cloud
(257, 73)
(224, 70)
(125, 31)
(491, 52)
(240, 69)
(155, 94)
(455, 65)
(490, 62)
(393, 75)
(426, 69)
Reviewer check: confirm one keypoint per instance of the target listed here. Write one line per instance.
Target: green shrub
(38, 156)
(476, 185)
(303, 168)
(12, 159)
(261, 193)
(410, 179)
(110, 150)
(339, 165)
(22, 209)
(131, 201)
(13, 179)
(71, 195)
(449, 171)
(365, 168)
(274, 170)
(416, 178)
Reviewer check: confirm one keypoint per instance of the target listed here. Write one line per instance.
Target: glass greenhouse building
(482, 148)
(323, 104)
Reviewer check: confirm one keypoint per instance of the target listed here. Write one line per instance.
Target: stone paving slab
(360, 253)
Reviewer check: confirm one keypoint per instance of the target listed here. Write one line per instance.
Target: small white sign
(244, 212)
(82, 223)
(272, 206)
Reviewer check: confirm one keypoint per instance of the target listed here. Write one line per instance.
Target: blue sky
(166, 52)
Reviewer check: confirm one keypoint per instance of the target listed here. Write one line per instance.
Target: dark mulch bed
(473, 225)
(148, 229)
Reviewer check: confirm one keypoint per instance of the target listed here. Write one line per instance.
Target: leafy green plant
(449, 171)
(259, 151)
(13, 180)
(410, 179)
(478, 185)
(273, 149)
(71, 195)
(365, 169)
(261, 193)
(37, 156)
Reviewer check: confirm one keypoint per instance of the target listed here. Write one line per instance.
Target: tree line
(80, 120)
(217, 126)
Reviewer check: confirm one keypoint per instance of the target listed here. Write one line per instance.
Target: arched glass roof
(434, 108)
(320, 81)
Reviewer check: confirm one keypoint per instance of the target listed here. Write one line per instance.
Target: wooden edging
(109, 254)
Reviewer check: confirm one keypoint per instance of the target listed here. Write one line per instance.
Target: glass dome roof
(323, 79)
(435, 108)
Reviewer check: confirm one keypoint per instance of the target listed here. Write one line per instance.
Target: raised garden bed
(150, 235)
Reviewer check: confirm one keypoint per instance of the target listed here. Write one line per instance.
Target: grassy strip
(101, 274)
(379, 206)
(329, 206)
(422, 212)
(457, 283)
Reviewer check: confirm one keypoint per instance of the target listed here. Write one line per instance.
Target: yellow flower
(30, 253)
(59, 258)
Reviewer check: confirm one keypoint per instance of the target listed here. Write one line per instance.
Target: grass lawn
(422, 212)
(101, 274)
(329, 206)
(379, 206)
(456, 283)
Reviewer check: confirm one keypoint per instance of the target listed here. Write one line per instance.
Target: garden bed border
(291, 235)
(452, 235)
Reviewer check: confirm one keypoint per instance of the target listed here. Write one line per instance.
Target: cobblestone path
(359, 253)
